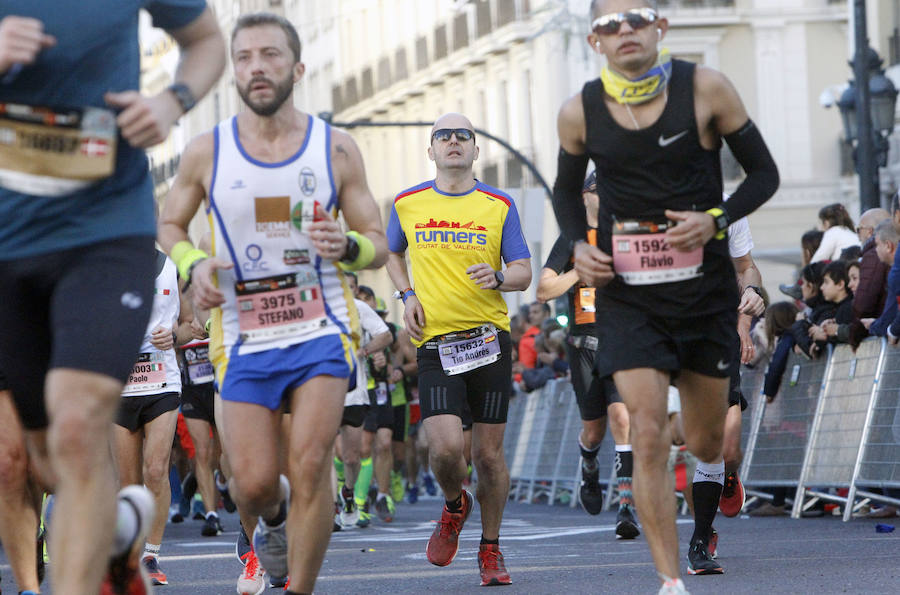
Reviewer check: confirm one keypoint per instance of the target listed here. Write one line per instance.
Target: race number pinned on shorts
(149, 373)
(642, 256)
(280, 307)
(464, 351)
(381, 393)
(199, 368)
(54, 152)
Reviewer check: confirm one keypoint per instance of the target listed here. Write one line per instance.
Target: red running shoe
(490, 564)
(124, 578)
(444, 542)
(733, 497)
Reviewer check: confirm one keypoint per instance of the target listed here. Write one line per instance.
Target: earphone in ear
(659, 34)
(597, 45)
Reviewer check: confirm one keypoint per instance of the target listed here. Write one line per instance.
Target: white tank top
(280, 292)
(156, 371)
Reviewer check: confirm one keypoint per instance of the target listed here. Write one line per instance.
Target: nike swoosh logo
(665, 142)
(722, 366)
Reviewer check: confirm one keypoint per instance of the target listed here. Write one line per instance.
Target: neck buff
(642, 89)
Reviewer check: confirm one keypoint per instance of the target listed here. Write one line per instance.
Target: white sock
(151, 550)
(714, 472)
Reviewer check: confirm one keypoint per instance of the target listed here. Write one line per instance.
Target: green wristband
(366, 253)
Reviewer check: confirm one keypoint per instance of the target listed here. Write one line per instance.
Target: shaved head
(452, 120)
(598, 10)
(873, 217)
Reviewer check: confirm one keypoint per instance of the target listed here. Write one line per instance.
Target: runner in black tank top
(653, 127)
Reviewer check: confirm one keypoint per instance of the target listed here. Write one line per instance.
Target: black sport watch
(183, 96)
(499, 278)
(352, 251)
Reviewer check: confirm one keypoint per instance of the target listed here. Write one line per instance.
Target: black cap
(590, 182)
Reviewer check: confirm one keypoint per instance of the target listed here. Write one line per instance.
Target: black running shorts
(400, 427)
(198, 402)
(378, 416)
(136, 412)
(486, 390)
(631, 338)
(593, 394)
(354, 415)
(4, 384)
(85, 308)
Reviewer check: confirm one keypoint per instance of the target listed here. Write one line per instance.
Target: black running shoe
(591, 494)
(211, 527)
(227, 502)
(699, 560)
(626, 525)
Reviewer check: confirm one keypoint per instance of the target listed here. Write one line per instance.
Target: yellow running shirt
(446, 234)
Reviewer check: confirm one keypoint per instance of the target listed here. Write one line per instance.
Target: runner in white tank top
(281, 312)
(145, 422)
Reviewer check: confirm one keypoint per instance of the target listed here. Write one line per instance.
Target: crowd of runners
(306, 409)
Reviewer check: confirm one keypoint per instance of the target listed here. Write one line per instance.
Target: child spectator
(835, 290)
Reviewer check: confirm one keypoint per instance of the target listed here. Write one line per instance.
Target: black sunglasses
(444, 134)
(637, 18)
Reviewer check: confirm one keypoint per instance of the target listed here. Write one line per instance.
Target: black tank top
(640, 174)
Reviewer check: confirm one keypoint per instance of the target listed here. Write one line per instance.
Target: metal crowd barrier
(832, 432)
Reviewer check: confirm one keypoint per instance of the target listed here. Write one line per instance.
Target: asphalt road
(556, 550)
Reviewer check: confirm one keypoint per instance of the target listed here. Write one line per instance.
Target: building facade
(510, 64)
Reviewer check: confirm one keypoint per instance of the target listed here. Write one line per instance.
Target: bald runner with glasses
(653, 127)
(458, 231)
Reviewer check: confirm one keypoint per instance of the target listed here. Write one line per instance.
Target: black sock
(490, 541)
(706, 502)
(280, 517)
(624, 466)
(455, 505)
(289, 592)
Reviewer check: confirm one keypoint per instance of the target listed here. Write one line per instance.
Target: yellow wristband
(720, 219)
(366, 253)
(184, 255)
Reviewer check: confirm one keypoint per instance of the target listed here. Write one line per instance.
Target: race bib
(149, 373)
(585, 308)
(461, 352)
(54, 152)
(199, 368)
(642, 256)
(381, 393)
(279, 307)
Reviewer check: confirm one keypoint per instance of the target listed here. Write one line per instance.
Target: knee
(256, 490)
(156, 474)
(383, 448)
(73, 435)
(592, 432)
(203, 453)
(707, 448)
(13, 463)
(489, 460)
(618, 421)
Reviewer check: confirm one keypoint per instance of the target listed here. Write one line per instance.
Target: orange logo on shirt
(451, 225)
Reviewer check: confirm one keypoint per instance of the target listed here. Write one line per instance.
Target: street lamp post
(867, 111)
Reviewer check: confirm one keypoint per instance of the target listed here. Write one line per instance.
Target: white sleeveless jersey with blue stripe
(258, 214)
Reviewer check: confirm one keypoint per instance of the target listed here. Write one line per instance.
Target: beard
(268, 107)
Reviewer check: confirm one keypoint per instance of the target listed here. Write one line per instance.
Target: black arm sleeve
(567, 203)
(761, 182)
(560, 255)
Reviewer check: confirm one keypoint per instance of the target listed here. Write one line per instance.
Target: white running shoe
(270, 543)
(253, 579)
(349, 510)
(673, 586)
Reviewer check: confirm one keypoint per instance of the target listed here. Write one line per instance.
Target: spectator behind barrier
(778, 320)
(886, 238)
(836, 291)
(839, 233)
(537, 314)
(817, 310)
(869, 295)
(809, 243)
